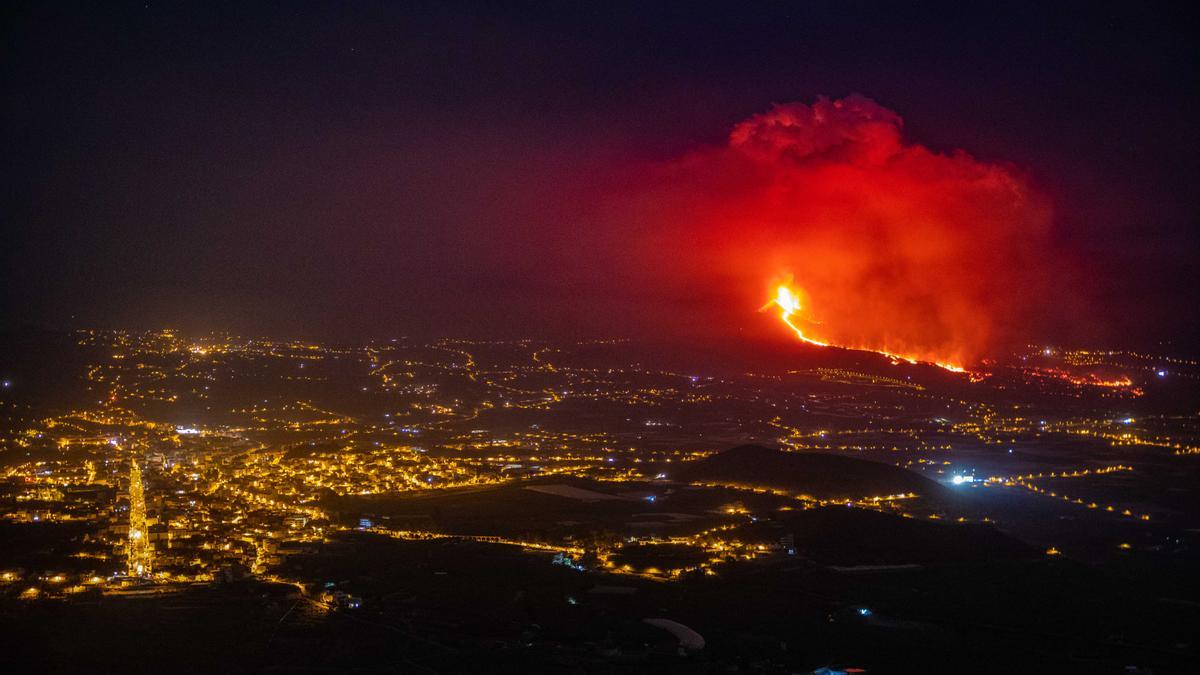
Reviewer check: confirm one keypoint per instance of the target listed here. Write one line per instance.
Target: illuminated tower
(139, 537)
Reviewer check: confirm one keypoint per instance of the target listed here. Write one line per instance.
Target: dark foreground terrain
(450, 606)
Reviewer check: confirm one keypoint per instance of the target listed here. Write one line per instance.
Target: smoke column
(890, 246)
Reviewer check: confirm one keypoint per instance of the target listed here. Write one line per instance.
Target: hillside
(820, 475)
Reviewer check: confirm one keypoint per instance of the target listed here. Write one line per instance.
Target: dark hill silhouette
(839, 536)
(819, 475)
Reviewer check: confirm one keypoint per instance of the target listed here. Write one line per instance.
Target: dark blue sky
(354, 169)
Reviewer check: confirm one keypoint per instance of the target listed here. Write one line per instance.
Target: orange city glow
(790, 311)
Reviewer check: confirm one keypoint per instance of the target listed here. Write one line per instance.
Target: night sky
(356, 170)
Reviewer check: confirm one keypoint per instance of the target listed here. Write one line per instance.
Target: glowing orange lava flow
(1085, 379)
(789, 306)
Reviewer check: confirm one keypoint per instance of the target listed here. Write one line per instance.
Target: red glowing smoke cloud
(896, 247)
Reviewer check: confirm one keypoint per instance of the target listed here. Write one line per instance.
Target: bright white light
(1161, 373)
(1128, 420)
(959, 480)
(187, 431)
